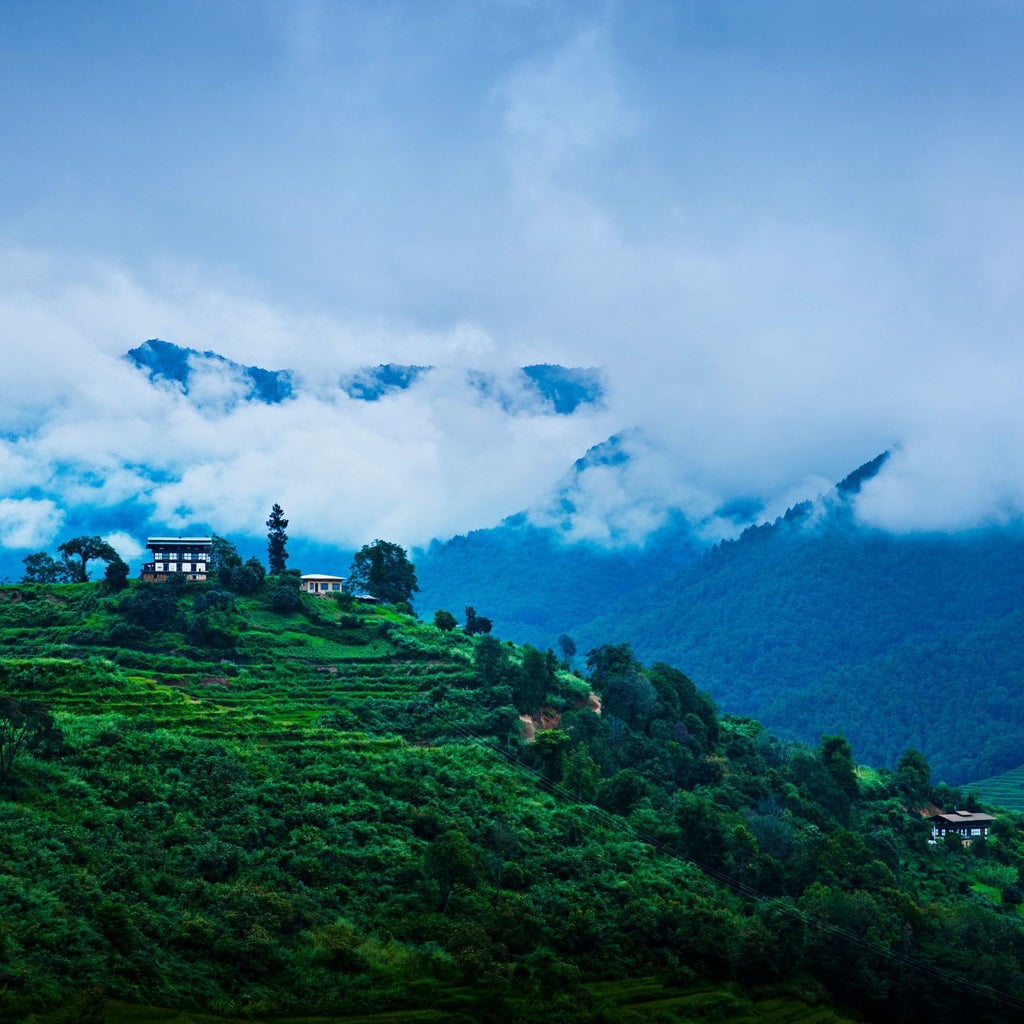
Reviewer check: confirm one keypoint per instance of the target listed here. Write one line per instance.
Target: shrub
(444, 620)
(285, 598)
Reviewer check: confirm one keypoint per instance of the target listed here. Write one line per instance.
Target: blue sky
(791, 233)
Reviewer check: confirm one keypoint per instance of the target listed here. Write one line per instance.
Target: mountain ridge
(561, 390)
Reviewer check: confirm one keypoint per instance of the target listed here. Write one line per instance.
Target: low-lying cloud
(782, 264)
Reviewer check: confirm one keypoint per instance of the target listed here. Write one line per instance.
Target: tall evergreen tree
(277, 539)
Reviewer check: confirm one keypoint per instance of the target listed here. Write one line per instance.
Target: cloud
(127, 546)
(27, 523)
(791, 242)
(442, 457)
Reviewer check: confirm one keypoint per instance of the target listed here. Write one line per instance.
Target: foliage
(450, 861)
(907, 641)
(86, 550)
(338, 814)
(567, 646)
(43, 568)
(476, 623)
(115, 576)
(155, 606)
(383, 570)
(285, 596)
(806, 623)
(224, 557)
(24, 725)
(277, 540)
(444, 621)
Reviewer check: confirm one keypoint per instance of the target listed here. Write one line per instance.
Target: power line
(742, 889)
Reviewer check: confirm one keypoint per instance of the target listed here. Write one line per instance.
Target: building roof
(963, 817)
(322, 576)
(150, 541)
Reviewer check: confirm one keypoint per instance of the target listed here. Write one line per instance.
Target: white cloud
(779, 277)
(440, 458)
(127, 546)
(27, 523)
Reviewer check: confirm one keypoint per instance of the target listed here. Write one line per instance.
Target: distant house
(320, 584)
(968, 825)
(190, 556)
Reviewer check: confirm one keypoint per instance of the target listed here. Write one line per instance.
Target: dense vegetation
(807, 623)
(905, 641)
(254, 811)
(534, 586)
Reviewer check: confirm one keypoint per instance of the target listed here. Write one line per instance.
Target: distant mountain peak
(163, 360)
(566, 387)
(374, 382)
(852, 483)
(560, 389)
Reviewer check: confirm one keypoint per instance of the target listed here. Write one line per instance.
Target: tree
(567, 646)
(550, 746)
(610, 660)
(285, 598)
(116, 574)
(154, 608)
(24, 725)
(534, 678)
(914, 777)
(837, 757)
(224, 557)
(444, 621)
(248, 578)
(383, 571)
(85, 549)
(41, 568)
(476, 623)
(277, 539)
(450, 862)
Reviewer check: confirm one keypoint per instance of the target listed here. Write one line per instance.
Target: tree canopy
(41, 567)
(85, 549)
(383, 570)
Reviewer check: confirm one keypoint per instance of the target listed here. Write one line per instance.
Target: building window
(335, 586)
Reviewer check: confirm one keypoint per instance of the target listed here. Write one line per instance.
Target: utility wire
(742, 889)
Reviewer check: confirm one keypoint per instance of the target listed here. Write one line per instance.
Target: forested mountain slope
(533, 584)
(815, 624)
(266, 805)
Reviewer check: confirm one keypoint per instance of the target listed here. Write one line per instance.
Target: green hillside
(1006, 790)
(230, 811)
(815, 624)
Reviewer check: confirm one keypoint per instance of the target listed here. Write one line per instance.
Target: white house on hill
(320, 584)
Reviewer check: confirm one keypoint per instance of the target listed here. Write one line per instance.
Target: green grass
(280, 673)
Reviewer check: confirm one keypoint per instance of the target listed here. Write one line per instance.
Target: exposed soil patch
(548, 718)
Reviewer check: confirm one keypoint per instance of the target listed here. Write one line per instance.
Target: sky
(791, 235)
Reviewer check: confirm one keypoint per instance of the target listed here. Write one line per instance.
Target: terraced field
(321, 666)
(1006, 790)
